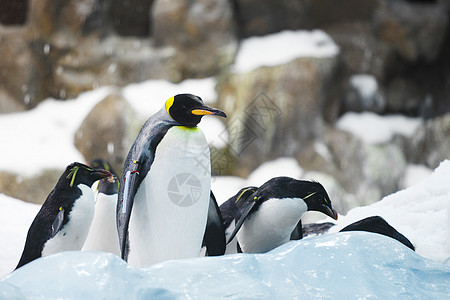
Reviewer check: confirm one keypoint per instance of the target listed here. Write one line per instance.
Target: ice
(279, 48)
(352, 265)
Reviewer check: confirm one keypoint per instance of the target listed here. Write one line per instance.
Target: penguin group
(162, 206)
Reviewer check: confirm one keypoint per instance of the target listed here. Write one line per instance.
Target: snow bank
(352, 265)
(376, 129)
(421, 213)
(279, 48)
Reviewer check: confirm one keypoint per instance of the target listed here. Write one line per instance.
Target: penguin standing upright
(63, 221)
(266, 217)
(164, 193)
(103, 231)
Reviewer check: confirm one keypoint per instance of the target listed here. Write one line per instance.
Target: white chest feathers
(103, 234)
(73, 234)
(170, 209)
(271, 225)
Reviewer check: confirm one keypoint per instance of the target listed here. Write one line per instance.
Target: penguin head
(188, 109)
(312, 193)
(105, 186)
(78, 173)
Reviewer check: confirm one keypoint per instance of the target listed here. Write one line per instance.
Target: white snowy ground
(343, 266)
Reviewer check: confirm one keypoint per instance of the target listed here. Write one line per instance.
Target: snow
(279, 48)
(42, 138)
(354, 265)
(365, 84)
(420, 212)
(376, 129)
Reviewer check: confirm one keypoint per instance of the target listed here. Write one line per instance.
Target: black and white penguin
(377, 224)
(164, 194)
(63, 221)
(103, 231)
(264, 218)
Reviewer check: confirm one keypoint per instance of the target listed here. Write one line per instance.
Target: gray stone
(202, 32)
(275, 111)
(414, 30)
(108, 131)
(34, 189)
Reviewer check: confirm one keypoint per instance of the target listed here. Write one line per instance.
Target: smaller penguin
(377, 224)
(63, 221)
(103, 234)
(269, 216)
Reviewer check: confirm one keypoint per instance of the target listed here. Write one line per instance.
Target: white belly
(271, 225)
(73, 235)
(170, 209)
(103, 234)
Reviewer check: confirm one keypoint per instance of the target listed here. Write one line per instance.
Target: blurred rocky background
(398, 50)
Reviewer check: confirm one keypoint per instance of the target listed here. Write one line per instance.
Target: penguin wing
(124, 206)
(137, 164)
(57, 223)
(297, 233)
(214, 237)
(244, 212)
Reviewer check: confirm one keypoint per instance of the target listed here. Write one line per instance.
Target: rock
(111, 61)
(431, 144)
(202, 32)
(65, 24)
(33, 189)
(269, 107)
(362, 51)
(131, 17)
(415, 30)
(20, 77)
(108, 131)
(404, 96)
(364, 94)
(368, 172)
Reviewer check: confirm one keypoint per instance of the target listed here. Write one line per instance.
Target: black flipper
(377, 224)
(214, 238)
(238, 248)
(124, 206)
(57, 223)
(297, 233)
(245, 210)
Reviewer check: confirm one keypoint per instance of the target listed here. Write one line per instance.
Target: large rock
(34, 189)
(20, 72)
(275, 111)
(415, 30)
(108, 131)
(111, 60)
(202, 32)
(368, 172)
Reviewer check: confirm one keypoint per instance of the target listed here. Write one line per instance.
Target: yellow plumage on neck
(169, 104)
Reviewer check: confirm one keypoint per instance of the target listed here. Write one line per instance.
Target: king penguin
(103, 231)
(164, 195)
(63, 221)
(264, 218)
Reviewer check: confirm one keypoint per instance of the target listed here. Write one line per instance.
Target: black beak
(330, 212)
